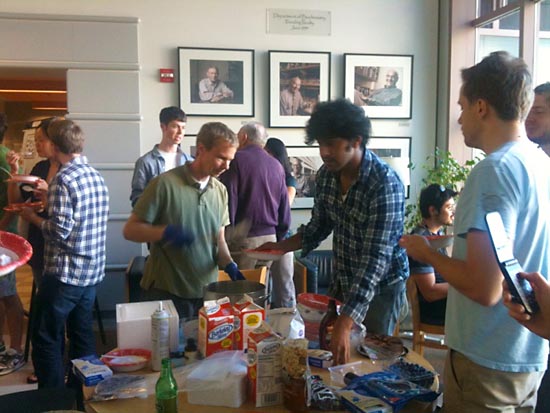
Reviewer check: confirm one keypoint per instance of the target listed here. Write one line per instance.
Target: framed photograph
(305, 161)
(380, 84)
(396, 152)
(297, 82)
(216, 82)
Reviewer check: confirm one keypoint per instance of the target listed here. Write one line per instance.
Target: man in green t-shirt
(183, 214)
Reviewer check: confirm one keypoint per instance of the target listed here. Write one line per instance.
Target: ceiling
(36, 79)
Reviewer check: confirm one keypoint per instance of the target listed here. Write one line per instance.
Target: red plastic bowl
(17, 248)
(315, 301)
(127, 359)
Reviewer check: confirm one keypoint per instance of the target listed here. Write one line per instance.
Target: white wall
(358, 26)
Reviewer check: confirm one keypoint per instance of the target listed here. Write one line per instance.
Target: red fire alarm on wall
(167, 75)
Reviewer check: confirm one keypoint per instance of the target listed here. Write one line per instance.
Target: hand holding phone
(519, 287)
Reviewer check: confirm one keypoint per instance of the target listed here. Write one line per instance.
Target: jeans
(61, 305)
(385, 309)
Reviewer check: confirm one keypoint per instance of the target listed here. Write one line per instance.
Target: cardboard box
(133, 324)
(265, 350)
(248, 316)
(319, 358)
(91, 370)
(216, 326)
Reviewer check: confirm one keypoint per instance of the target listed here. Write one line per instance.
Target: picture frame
(396, 152)
(380, 84)
(308, 160)
(216, 82)
(288, 107)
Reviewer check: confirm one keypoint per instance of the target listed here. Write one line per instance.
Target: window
(542, 59)
(479, 27)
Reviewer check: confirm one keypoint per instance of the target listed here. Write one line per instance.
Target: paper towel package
(219, 380)
(133, 324)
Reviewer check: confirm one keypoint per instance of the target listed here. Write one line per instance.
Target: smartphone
(519, 287)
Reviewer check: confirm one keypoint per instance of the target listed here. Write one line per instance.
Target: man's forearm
(139, 231)
(224, 256)
(478, 277)
(291, 244)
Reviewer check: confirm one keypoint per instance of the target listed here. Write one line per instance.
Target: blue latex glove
(178, 236)
(233, 271)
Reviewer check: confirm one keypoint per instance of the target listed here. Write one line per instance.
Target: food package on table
(121, 386)
(320, 396)
(389, 387)
(219, 380)
(216, 326)
(265, 366)
(90, 370)
(248, 316)
(287, 322)
(320, 358)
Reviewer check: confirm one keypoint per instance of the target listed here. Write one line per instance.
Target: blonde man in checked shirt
(360, 200)
(74, 258)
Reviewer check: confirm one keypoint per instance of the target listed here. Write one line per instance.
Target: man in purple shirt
(257, 191)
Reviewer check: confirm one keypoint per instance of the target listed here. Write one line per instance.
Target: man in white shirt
(165, 155)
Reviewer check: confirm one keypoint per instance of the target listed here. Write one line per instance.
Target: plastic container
(413, 372)
(160, 337)
(133, 324)
(337, 373)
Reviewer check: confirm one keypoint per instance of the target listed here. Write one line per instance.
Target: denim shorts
(8, 285)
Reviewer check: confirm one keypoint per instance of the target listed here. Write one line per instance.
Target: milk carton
(216, 325)
(248, 316)
(265, 366)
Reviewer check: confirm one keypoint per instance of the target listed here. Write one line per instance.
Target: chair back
(419, 328)
(256, 274)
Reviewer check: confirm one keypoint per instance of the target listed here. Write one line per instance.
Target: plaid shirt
(78, 207)
(367, 225)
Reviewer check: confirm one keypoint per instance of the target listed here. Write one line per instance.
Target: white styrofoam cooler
(133, 324)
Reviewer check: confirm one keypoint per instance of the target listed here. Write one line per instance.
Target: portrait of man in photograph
(299, 84)
(377, 86)
(216, 81)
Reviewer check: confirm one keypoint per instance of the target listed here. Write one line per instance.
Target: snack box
(320, 358)
(216, 326)
(265, 350)
(91, 370)
(248, 316)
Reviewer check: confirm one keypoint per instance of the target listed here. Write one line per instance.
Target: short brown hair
(504, 82)
(211, 132)
(67, 136)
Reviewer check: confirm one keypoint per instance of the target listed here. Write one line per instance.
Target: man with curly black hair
(360, 200)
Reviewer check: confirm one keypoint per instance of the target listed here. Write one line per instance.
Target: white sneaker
(11, 361)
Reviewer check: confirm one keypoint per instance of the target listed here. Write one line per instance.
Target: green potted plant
(441, 168)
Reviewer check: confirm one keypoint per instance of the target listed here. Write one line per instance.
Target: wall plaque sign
(292, 21)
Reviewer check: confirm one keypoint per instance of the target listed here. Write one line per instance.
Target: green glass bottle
(166, 389)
